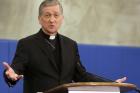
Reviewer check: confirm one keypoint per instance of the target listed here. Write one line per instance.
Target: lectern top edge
(124, 87)
(99, 84)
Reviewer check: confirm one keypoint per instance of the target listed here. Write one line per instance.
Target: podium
(93, 87)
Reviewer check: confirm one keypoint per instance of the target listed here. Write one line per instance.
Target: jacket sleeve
(81, 75)
(19, 62)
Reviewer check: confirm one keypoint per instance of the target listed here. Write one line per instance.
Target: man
(48, 59)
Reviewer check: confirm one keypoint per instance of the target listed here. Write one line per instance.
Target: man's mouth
(52, 26)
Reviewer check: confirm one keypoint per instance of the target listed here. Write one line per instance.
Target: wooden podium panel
(93, 87)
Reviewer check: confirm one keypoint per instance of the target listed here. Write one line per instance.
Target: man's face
(51, 19)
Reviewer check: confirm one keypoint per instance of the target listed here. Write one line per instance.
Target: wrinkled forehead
(51, 9)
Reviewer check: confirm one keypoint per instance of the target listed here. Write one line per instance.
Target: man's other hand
(121, 80)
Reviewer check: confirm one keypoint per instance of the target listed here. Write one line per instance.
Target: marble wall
(105, 22)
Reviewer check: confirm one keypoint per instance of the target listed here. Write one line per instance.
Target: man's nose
(52, 19)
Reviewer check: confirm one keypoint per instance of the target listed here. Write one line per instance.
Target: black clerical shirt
(55, 47)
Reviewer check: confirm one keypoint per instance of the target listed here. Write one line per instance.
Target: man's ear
(62, 18)
(39, 19)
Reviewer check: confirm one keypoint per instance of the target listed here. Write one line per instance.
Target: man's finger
(14, 77)
(6, 65)
(121, 80)
(20, 76)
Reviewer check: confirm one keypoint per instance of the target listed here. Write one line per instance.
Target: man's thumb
(6, 65)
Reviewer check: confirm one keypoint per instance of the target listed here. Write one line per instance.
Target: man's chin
(52, 31)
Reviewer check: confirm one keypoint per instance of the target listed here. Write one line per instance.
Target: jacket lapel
(46, 48)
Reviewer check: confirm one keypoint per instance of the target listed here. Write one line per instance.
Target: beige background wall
(109, 22)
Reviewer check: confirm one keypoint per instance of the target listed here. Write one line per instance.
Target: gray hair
(46, 3)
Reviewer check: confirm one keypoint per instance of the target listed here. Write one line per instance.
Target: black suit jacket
(35, 61)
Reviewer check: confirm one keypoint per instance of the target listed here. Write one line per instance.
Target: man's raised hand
(10, 73)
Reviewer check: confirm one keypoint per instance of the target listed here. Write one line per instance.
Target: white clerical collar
(52, 37)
